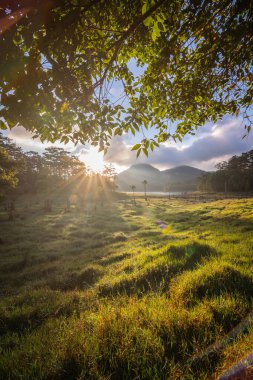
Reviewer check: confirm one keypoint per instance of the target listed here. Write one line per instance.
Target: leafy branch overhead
(60, 61)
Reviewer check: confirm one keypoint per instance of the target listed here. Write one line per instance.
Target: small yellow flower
(64, 107)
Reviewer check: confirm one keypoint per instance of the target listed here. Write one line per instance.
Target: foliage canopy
(61, 59)
(236, 174)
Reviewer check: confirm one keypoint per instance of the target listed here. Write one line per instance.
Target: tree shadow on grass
(190, 254)
(77, 281)
(158, 277)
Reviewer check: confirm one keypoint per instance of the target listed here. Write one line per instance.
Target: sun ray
(93, 159)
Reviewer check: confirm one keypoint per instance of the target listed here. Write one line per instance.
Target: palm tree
(145, 188)
(133, 189)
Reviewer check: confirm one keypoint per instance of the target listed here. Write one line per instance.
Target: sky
(212, 143)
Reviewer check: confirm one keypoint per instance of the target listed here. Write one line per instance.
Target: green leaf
(118, 131)
(145, 151)
(144, 8)
(136, 147)
(156, 29)
(153, 35)
(148, 21)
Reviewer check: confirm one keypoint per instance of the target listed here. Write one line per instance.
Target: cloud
(19, 133)
(210, 145)
(79, 149)
(221, 142)
(24, 138)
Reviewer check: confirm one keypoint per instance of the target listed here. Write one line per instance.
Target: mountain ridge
(179, 178)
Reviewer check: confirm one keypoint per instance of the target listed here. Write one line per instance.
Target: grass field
(105, 294)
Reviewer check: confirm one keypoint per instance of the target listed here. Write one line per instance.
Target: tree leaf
(136, 147)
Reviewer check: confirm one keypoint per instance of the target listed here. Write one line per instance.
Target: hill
(136, 174)
(180, 178)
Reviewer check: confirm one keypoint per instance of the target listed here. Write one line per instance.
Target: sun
(93, 159)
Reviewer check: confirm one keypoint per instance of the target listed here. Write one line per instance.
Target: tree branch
(123, 38)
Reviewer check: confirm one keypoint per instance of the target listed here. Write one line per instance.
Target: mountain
(136, 174)
(185, 172)
(180, 178)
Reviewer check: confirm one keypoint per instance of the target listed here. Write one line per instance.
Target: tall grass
(115, 298)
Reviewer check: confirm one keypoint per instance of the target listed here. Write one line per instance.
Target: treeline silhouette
(55, 171)
(234, 175)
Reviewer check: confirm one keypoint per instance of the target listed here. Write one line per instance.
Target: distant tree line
(54, 171)
(233, 175)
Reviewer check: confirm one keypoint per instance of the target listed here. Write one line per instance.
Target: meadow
(103, 293)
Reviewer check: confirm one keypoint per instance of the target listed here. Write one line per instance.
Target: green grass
(107, 295)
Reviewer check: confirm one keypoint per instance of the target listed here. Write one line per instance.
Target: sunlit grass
(103, 293)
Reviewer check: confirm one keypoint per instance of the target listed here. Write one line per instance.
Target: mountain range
(180, 178)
